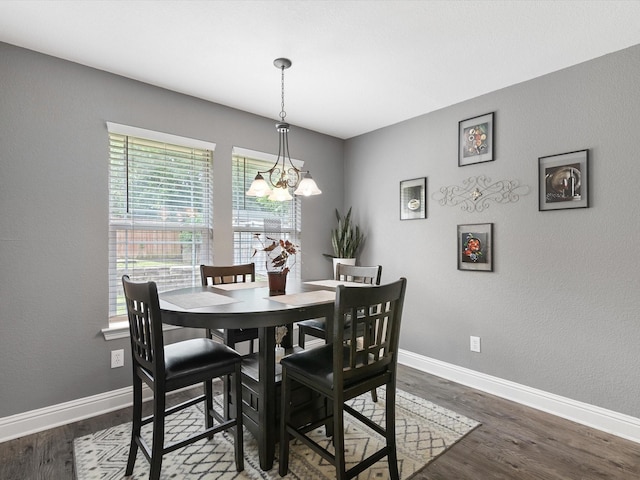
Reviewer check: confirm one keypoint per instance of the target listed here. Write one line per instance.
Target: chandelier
(283, 177)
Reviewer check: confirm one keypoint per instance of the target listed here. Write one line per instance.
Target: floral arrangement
(281, 331)
(278, 252)
(472, 248)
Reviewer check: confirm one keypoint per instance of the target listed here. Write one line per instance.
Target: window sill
(121, 330)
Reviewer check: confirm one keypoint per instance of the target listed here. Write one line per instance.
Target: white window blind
(253, 215)
(160, 214)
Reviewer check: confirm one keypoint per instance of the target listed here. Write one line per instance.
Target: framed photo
(413, 199)
(475, 140)
(475, 247)
(563, 181)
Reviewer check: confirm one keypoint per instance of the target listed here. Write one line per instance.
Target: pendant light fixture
(283, 177)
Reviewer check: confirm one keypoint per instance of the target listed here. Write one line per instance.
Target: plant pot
(277, 282)
(345, 261)
(279, 353)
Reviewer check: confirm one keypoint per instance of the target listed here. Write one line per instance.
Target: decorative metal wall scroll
(476, 193)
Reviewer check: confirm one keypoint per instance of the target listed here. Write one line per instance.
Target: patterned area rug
(424, 431)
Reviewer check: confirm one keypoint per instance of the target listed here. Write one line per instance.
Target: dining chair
(221, 274)
(346, 368)
(165, 368)
(316, 327)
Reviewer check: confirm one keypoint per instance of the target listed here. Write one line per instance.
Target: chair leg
(301, 336)
(208, 405)
(285, 414)
(157, 444)
(390, 428)
(329, 425)
(237, 398)
(136, 424)
(338, 437)
(374, 395)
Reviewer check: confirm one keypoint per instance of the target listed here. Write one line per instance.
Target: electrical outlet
(474, 344)
(117, 358)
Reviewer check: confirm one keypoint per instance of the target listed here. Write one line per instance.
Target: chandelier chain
(282, 112)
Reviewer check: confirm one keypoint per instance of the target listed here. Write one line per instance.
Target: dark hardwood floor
(518, 442)
(513, 442)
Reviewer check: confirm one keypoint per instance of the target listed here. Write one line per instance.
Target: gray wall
(561, 310)
(53, 220)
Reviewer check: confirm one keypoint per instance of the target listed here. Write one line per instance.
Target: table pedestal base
(307, 407)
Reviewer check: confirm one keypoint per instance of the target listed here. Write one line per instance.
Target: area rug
(424, 431)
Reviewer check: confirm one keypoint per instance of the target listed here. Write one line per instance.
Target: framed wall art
(475, 140)
(563, 181)
(475, 247)
(413, 199)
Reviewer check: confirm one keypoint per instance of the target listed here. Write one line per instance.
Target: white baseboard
(618, 424)
(63, 413)
(34, 421)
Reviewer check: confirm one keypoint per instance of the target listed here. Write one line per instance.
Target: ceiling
(357, 65)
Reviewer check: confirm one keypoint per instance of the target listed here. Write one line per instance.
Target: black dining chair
(165, 368)
(346, 368)
(222, 274)
(316, 327)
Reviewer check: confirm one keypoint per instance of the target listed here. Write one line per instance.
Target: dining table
(251, 305)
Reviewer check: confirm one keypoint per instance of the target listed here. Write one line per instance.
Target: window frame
(202, 150)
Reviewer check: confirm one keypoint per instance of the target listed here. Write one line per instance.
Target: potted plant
(281, 255)
(346, 239)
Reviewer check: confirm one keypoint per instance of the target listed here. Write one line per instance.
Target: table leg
(267, 397)
(226, 381)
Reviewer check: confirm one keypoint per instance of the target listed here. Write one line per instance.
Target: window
(160, 211)
(253, 215)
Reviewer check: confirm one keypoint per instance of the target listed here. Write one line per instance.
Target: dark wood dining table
(252, 306)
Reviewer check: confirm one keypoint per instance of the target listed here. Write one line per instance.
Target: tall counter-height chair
(316, 327)
(346, 368)
(219, 274)
(165, 368)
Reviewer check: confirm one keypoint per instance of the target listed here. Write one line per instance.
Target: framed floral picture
(475, 140)
(413, 199)
(563, 181)
(475, 247)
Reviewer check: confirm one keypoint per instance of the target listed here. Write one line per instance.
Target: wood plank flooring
(513, 442)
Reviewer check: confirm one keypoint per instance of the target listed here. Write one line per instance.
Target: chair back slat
(359, 273)
(219, 274)
(369, 344)
(145, 325)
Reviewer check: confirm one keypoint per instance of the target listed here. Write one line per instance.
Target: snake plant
(346, 238)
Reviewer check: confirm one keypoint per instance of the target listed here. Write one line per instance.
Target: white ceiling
(357, 65)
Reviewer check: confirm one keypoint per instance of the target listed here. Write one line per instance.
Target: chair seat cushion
(197, 357)
(318, 323)
(317, 365)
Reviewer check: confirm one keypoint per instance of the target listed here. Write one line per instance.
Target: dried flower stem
(281, 331)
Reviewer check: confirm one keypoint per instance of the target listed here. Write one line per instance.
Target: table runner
(305, 298)
(197, 299)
